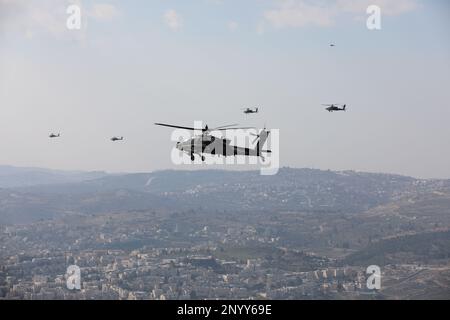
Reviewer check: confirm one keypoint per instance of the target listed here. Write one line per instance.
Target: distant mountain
(290, 189)
(32, 194)
(12, 177)
(17, 207)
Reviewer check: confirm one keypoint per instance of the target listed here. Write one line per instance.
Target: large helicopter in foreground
(206, 143)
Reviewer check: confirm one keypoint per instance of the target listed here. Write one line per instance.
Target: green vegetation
(419, 247)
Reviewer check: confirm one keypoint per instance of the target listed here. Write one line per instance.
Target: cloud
(233, 25)
(214, 2)
(324, 13)
(173, 20)
(388, 7)
(29, 18)
(103, 11)
(299, 13)
(260, 28)
(47, 17)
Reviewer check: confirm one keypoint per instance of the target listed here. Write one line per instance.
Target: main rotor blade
(226, 126)
(178, 127)
(221, 128)
(243, 128)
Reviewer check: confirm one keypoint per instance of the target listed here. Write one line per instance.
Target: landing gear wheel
(203, 158)
(192, 157)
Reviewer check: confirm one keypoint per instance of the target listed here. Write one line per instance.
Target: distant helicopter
(114, 139)
(206, 143)
(52, 135)
(250, 110)
(335, 107)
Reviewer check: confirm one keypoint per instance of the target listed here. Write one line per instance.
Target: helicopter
(335, 107)
(206, 143)
(114, 139)
(52, 135)
(250, 110)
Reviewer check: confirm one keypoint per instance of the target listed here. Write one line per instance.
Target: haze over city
(139, 62)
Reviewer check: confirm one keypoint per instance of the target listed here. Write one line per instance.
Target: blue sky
(134, 63)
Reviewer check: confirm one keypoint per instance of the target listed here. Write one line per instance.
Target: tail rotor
(256, 137)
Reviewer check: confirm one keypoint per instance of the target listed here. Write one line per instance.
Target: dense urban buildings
(232, 246)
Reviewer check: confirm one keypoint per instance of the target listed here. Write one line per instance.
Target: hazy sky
(134, 63)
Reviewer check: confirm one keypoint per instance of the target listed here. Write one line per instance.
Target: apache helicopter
(206, 143)
(114, 139)
(52, 135)
(250, 110)
(335, 107)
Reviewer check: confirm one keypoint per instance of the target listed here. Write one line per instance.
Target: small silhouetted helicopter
(52, 135)
(335, 107)
(250, 110)
(114, 139)
(206, 143)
